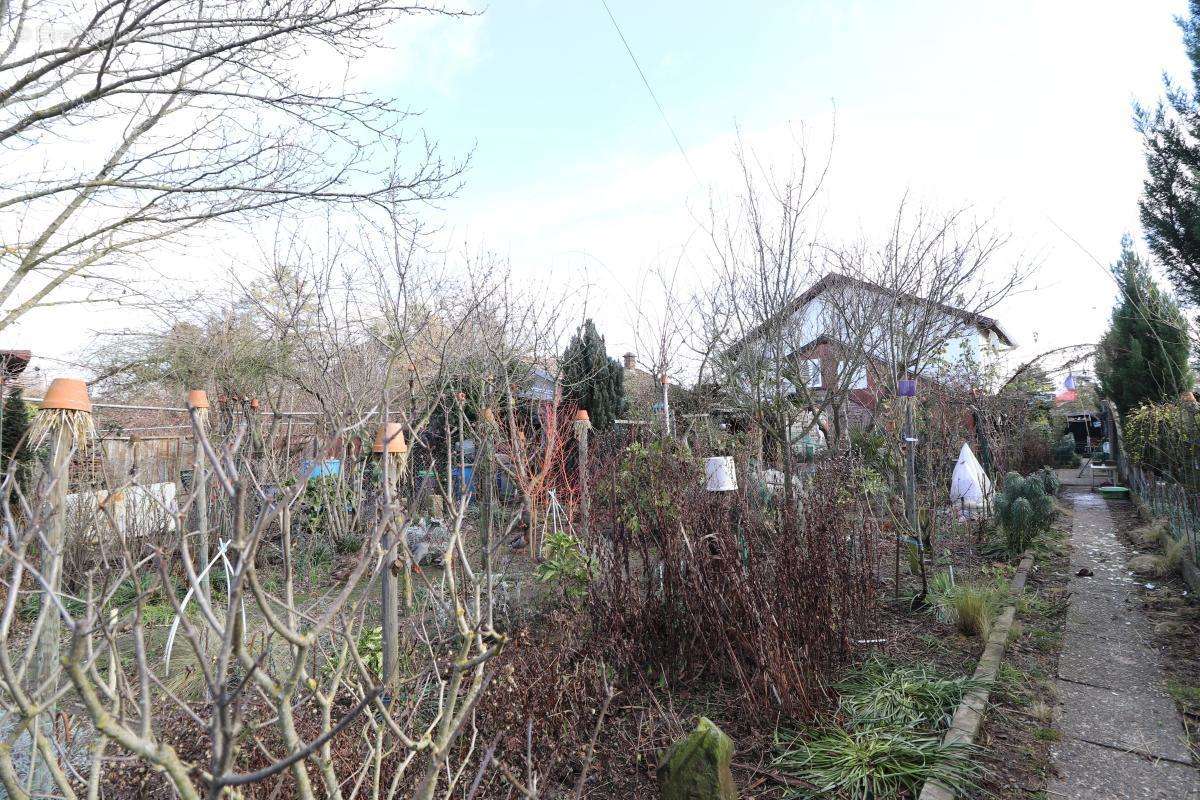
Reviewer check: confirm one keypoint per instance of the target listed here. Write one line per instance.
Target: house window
(858, 380)
(810, 370)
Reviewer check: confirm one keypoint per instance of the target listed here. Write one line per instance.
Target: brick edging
(969, 715)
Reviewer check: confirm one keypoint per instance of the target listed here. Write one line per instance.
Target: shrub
(1161, 437)
(566, 564)
(1023, 510)
(1064, 452)
(700, 585)
(1050, 481)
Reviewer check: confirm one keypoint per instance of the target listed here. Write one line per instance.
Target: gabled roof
(833, 279)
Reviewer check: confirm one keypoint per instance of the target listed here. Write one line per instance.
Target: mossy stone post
(697, 766)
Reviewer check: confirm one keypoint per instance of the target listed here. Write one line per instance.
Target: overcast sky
(1020, 109)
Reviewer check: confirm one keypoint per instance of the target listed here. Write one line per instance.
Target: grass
(874, 763)
(970, 606)
(1186, 696)
(883, 693)
(1047, 735)
(1174, 552)
(889, 742)
(1041, 711)
(972, 610)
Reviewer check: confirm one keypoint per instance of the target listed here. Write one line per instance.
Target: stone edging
(969, 714)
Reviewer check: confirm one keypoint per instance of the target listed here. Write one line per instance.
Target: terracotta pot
(461, 397)
(254, 404)
(68, 394)
(391, 434)
(197, 398)
(582, 416)
(489, 416)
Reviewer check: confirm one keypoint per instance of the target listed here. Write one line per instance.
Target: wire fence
(1168, 499)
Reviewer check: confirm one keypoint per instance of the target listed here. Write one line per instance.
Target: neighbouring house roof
(643, 393)
(833, 279)
(14, 362)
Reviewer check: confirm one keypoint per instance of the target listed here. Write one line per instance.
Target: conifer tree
(14, 437)
(1170, 204)
(1143, 356)
(591, 379)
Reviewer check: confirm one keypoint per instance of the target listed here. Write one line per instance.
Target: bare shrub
(696, 585)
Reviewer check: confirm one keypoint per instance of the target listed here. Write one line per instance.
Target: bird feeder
(390, 439)
(582, 415)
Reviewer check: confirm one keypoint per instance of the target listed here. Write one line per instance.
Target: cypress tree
(1170, 204)
(14, 438)
(1143, 356)
(591, 379)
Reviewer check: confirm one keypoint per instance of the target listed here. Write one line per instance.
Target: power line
(646, 82)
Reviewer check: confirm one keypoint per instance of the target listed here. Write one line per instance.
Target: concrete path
(1122, 735)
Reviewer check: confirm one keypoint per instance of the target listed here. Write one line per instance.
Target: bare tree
(128, 126)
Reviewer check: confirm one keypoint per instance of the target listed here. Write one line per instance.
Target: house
(644, 392)
(843, 336)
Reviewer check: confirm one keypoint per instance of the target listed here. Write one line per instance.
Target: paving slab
(1089, 771)
(1141, 720)
(1112, 662)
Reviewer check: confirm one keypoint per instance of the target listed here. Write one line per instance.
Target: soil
(1174, 610)
(1018, 728)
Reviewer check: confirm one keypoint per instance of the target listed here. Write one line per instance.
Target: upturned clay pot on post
(197, 404)
(64, 422)
(391, 448)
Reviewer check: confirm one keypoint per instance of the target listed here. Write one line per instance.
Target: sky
(1021, 111)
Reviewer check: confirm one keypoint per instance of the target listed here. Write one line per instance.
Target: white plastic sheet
(970, 486)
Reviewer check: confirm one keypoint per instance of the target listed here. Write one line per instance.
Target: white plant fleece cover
(970, 485)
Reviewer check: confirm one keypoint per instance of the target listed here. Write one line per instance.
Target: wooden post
(389, 602)
(582, 426)
(197, 402)
(56, 478)
(392, 450)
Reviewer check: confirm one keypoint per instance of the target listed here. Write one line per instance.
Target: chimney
(630, 361)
